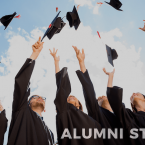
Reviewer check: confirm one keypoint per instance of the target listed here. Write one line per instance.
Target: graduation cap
(55, 27)
(73, 18)
(111, 54)
(5, 20)
(115, 4)
(62, 25)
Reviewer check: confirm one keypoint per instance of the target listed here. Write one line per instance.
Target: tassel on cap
(99, 34)
(18, 16)
(56, 9)
(78, 7)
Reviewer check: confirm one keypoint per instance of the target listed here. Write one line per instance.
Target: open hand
(143, 29)
(109, 73)
(56, 58)
(80, 56)
(37, 47)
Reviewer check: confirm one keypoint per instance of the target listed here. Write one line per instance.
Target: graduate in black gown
(70, 116)
(133, 121)
(3, 123)
(27, 126)
(99, 109)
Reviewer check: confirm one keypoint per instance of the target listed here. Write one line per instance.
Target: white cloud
(84, 2)
(128, 66)
(96, 9)
(19, 29)
(2, 69)
(90, 3)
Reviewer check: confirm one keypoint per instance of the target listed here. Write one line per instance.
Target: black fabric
(128, 119)
(55, 27)
(111, 54)
(62, 25)
(5, 20)
(69, 117)
(26, 127)
(106, 118)
(73, 18)
(115, 4)
(3, 126)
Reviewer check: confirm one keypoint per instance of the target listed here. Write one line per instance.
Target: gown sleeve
(89, 94)
(3, 126)
(115, 99)
(63, 90)
(21, 88)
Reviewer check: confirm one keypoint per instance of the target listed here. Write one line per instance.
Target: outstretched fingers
(83, 52)
(56, 51)
(104, 70)
(50, 51)
(39, 39)
(75, 48)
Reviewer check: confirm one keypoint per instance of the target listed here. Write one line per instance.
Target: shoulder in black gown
(69, 117)
(106, 118)
(128, 119)
(26, 127)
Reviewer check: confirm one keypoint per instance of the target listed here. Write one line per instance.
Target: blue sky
(36, 14)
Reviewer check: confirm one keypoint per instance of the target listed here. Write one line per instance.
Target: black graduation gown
(3, 126)
(69, 117)
(103, 116)
(26, 126)
(128, 119)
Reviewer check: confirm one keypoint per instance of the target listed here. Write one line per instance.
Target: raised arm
(88, 88)
(114, 95)
(56, 60)
(3, 124)
(21, 91)
(63, 84)
(143, 29)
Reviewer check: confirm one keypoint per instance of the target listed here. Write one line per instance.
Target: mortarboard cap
(61, 26)
(55, 27)
(5, 20)
(73, 18)
(111, 54)
(115, 4)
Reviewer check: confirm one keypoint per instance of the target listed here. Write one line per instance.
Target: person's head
(37, 102)
(73, 100)
(104, 103)
(137, 102)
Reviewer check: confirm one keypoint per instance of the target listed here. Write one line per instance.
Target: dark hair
(80, 107)
(30, 99)
(133, 108)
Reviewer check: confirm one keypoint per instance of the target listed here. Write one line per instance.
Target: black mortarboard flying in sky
(55, 27)
(115, 4)
(5, 20)
(73, 18)
(111, 54)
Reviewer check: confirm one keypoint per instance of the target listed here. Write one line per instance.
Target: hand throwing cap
(111, 54)
(5, 20)
(55, 27)
(115, 4)
(73, 18)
